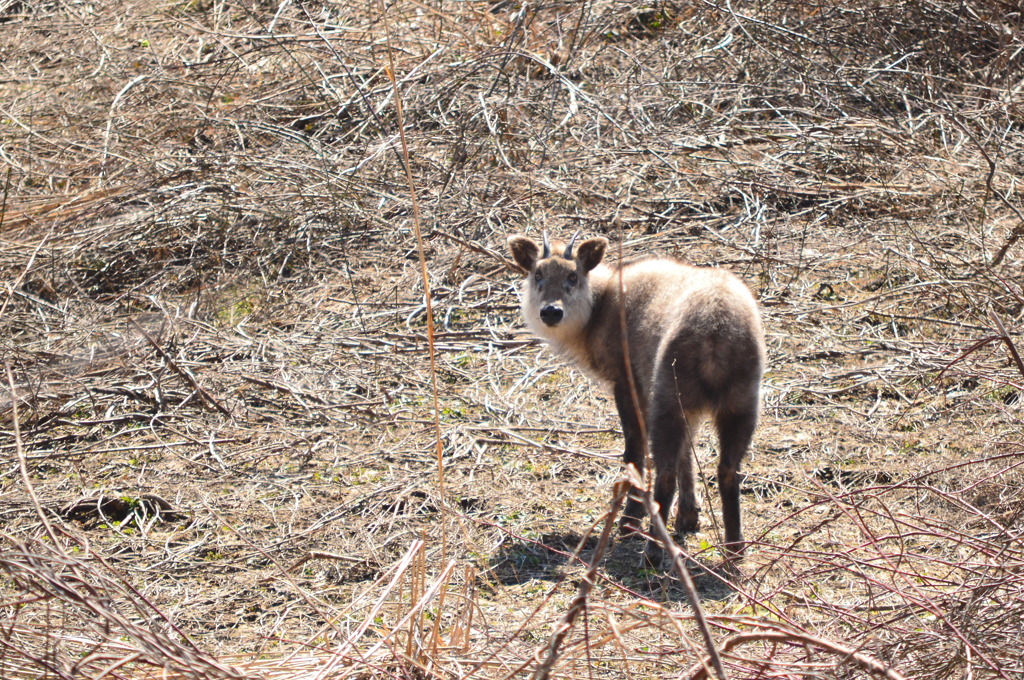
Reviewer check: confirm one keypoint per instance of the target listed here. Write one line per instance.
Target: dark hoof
(733, 552)
(629, 527)
(687, 523)
(653, 556)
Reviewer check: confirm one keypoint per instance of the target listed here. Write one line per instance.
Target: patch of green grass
(237, 311)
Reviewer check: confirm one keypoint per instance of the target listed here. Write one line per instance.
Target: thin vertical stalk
(439, 448)
(23, 464)
(579, 603)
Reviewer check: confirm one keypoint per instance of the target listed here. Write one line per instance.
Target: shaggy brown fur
(696, 349)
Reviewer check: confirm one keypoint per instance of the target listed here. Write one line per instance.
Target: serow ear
(590, 253)
(524, 251)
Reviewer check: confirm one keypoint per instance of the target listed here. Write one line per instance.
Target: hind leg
(669, 439)
(735, 431)
(687, 513)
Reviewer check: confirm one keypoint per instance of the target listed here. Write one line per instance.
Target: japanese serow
(695, 348)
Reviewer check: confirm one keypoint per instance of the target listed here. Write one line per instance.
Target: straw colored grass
(222, 445)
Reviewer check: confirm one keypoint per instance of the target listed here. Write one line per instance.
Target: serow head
(557, 287)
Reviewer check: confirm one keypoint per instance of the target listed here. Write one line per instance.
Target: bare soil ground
(225, 452)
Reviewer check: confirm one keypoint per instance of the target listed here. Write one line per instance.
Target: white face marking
(557, 300)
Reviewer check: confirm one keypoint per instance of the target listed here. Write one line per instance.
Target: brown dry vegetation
(219, 387)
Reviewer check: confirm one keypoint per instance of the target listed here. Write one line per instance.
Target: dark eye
(573, 279)
(538, 278)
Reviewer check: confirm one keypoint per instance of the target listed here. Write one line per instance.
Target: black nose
(551, 314)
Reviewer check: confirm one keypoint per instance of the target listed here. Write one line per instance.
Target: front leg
(633, 454)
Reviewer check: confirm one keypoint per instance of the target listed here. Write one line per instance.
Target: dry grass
(214, 320)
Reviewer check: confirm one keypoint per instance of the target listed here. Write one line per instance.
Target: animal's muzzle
(551, 314)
